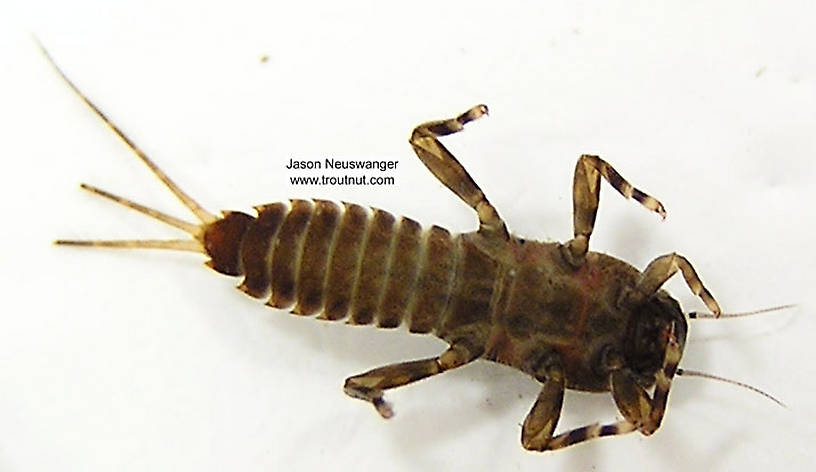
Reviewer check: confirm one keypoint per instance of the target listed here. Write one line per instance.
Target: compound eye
(610, 358)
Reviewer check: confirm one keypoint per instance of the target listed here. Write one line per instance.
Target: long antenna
(695, 315)
(694, 373)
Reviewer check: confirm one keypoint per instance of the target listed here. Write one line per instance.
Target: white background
(149, 361)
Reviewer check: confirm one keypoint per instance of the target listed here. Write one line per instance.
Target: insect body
(569, 317)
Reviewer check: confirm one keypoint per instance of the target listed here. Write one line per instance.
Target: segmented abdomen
(349, 262)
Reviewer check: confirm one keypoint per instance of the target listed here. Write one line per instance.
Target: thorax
(546, 307)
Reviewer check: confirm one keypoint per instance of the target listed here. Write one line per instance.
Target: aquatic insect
(569, 317)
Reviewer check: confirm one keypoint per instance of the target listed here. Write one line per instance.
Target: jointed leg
(539, 426)
(640, 412)
(450, 172)
(579, 435)
(370, 385)
(585, 194)
(633, 401)
(660, 269)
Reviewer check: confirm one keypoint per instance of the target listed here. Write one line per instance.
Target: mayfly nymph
(569, 317)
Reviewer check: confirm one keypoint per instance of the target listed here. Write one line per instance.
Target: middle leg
(539, 426)
(586, 190)
(640, 412)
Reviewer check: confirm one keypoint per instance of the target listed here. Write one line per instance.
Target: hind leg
(370, 385)
(450, 172)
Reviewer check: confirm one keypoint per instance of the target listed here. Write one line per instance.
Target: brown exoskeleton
(569, 317)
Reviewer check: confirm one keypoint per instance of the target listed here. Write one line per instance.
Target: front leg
(644, 413)
(658, 272)
(452, 174)
(370, 385)
(586, 192)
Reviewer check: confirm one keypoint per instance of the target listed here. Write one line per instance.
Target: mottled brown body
(568, 317)
(366, 266)
(360, 265)
(550, 306)
(343, 262)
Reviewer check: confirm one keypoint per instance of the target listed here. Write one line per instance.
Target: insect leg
(450, 172)
(642, 412)
(539, 426)
(585, 194)
(369, 386)
(660, 269)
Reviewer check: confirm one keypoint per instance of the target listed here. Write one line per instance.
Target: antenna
(694, 315)
(694, 373)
